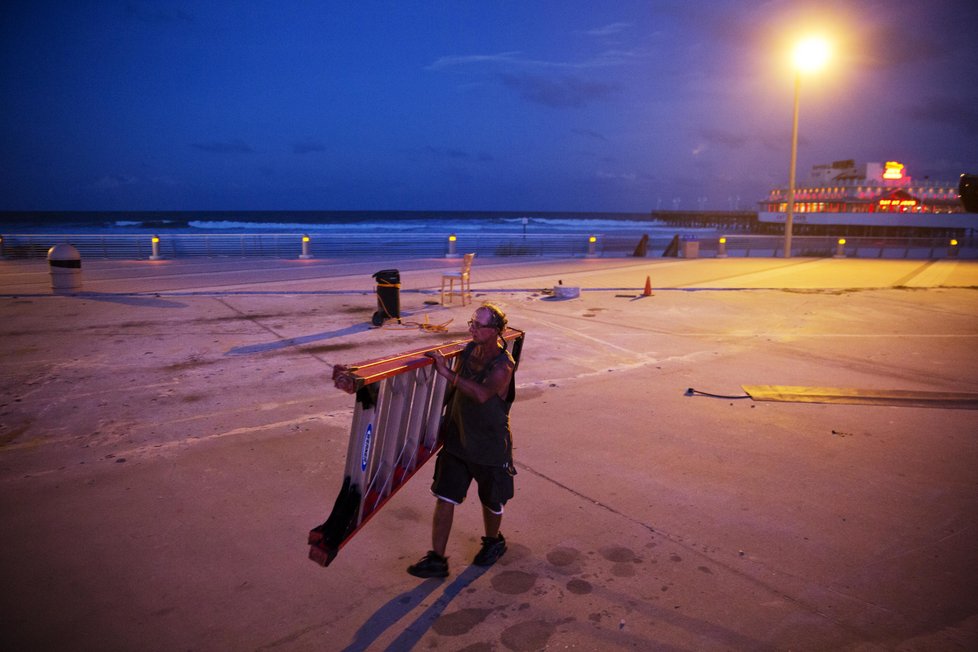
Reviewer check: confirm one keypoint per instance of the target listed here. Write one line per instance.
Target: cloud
(441, 152)
(462, 60)
(236, 146)
(545, 87)
(565, 92)
(589, 133)
(164, 181)
(448, 154)
(152, 14)
(113, 181)
(608, 58)
(308, 146)
(952, 111)
(711, 136)
(611, 29)
(616, 176)
(942, 32)
(726, 138)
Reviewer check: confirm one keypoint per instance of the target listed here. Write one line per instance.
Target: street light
(809, 56)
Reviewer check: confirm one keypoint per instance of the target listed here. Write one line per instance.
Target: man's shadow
(401, 605)
(139, 301)
(297, 341)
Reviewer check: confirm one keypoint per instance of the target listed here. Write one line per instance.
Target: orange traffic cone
(648, 287)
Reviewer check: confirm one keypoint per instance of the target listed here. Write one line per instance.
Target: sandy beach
(169, 434)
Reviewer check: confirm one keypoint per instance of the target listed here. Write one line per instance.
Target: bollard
(591, 245)
(952, 249)
(722, 247)
(155, 241)
(65, 263)
(305, 255)
(451, 247)
(840, 249)
(388, 296)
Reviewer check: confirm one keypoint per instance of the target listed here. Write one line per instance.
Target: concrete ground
(169, 435)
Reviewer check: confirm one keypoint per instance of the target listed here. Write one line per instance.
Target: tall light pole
(809, 55)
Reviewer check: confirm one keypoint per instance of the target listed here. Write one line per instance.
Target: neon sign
(893, 170)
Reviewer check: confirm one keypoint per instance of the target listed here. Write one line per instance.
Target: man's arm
(497, 382)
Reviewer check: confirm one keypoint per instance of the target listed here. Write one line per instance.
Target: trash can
(65, 263)
(388, 296)
(691, 249)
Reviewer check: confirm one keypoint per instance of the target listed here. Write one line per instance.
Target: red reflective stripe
(350, 378)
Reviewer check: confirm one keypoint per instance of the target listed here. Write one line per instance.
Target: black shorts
(453, 476)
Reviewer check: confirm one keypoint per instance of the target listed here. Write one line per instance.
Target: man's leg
(495, 488)
(493, 544)
(441, 525)
(434, 564)
(492, 522)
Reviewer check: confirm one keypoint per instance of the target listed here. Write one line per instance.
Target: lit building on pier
(869, 196)
(845, 187)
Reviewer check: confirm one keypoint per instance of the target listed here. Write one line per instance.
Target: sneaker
(431, 565)
(492, 550)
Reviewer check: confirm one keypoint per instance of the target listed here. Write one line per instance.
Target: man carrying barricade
(478, 444)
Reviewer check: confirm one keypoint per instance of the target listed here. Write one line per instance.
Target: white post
(305, 248)
(155, 240)
(840, 249)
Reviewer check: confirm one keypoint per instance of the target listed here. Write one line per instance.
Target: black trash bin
(388, 296)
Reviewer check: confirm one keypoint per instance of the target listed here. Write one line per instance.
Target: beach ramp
(842, 395)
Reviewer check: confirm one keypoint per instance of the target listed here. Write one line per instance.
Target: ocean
(408, 222)
(330, 233)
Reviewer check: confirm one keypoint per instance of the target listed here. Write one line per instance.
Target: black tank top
(479, 432)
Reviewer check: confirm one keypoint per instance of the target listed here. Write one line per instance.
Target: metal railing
(428, 245)
(772, 246)
(290, 245)
(850, 247)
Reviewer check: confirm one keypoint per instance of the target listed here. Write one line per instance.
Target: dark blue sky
(463, 105)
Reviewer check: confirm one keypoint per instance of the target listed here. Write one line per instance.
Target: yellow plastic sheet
(845, 395)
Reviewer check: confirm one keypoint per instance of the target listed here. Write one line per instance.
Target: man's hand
(438, 359)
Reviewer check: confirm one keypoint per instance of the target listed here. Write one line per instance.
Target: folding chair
(464, 281)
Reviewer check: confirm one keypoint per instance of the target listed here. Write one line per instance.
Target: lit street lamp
(810, 55)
